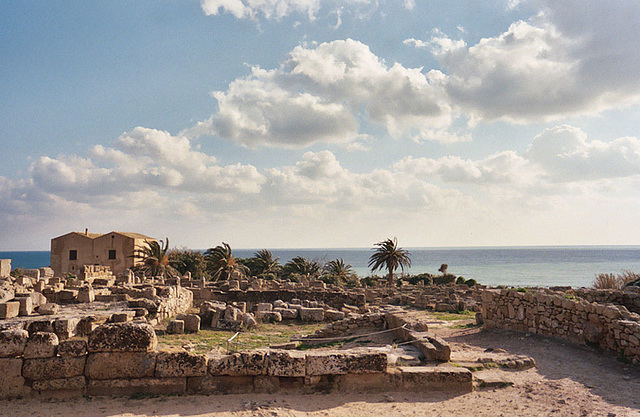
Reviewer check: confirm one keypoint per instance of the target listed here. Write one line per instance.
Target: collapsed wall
(565, 316)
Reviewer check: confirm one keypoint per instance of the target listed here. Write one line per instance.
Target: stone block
(122, 316)
(9, 309)
(179, 364)
(128, 387)
(287, 313)
(342, 362)
(118, 365)
(266, 384)
(26, 305)
(175, 327)
(123, 337)
(191, 322)
(77, 383)
(286, 363)
(86, 295)
(53, 368)
(66, 327)
(67, 295)
(41, 345)
(220, 385)
(5, 267)
(48, 309)
(308, 314)
(379, 382)
(333, 315)
(263, 307)
(13, 342)
(25, 281)
(438, 378)
(12, 382)
(32, 273)
(238, 364)
(270, 316)
(72, 347)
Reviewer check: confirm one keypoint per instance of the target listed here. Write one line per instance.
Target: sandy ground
(569, 380)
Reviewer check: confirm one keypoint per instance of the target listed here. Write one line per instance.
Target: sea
(546, 266)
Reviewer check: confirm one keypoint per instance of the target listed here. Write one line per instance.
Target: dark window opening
(73, 255)
(112, 254)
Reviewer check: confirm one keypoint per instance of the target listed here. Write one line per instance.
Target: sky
(321, 123)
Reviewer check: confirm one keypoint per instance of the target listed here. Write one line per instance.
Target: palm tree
(222, 264)
(338, 272)
(155, 259)
(388, 255)
(302, 267)
(263, 264)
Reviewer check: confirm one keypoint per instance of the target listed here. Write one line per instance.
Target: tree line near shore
(219, 264)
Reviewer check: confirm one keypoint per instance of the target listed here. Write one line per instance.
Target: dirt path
(569, 381)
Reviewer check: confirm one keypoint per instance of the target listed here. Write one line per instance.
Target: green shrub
(460, 281)
(444, 279)
(471, 282)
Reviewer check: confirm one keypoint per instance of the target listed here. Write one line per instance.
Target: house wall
(60, 247)
(124, 247)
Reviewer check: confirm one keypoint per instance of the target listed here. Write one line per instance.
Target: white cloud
(273, 9)
(568, 60)
(318, 94)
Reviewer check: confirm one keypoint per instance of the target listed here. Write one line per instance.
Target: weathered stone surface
(271, 317)
(128, 387)
(72, 348)
(191, 323)
(66, 327)
(239, 364)
(287, 313)
(378, 382)
(249, 321)
(264, 307)
(12, 342)
(266, 384)
(179, 364)
(123, 337)
(41, 345)
(175, 327)
(9, 309)
(77, 383)
(86, 295)
(438, 378)
(122, 317)
(115, 365)
(333, 315)
(12, 382)
(48, 309)
(220, 385)
(311, 314)
(26, 305)
(343, 362)
(286, 363)
(53, 368)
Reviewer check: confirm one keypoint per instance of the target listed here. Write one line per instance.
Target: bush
(471, 282)
(444, 279)
(607, 282)
(460, 281)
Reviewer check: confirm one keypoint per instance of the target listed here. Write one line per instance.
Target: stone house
(70, 252)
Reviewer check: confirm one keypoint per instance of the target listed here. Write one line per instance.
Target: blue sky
(321, 123)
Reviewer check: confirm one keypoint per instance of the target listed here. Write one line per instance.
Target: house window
(112, 254)
(73, 255)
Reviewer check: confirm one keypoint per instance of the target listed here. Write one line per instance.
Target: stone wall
(629, 297)
(122, 359)
(565, 316)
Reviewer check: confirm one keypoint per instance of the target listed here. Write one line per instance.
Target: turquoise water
(518, 266)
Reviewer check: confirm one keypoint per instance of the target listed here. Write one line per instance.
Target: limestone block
(342, 362)
(43, 325)
(249, 321)
(179, 364)
(9, 309)
(266, 384)
(220, 385)
(192, 323)
(77, 383)
(279, 304)
(13, 342)
(72, 347)
(12, 382)
(48, 309)
(262, 307)
(333, 315)
(66, 327)
(123, 337)
(438, 378)
(308, 314)
(175, 327)
(41, 345)
(270, 316)
(86, 295)
(26, 305)
(379, 382)
(128, 387)
(53, 368)
(239, 364)
(232, 314)
(67, 295)
(25, 281)
(287, 313)
(117, 365)
(286, 363)
(5, 267)
(122, 317)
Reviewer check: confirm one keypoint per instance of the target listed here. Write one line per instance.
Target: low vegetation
(610, 281)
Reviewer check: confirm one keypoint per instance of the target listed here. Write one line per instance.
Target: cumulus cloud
(567, 60)
(318, 94)
(273, 9)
